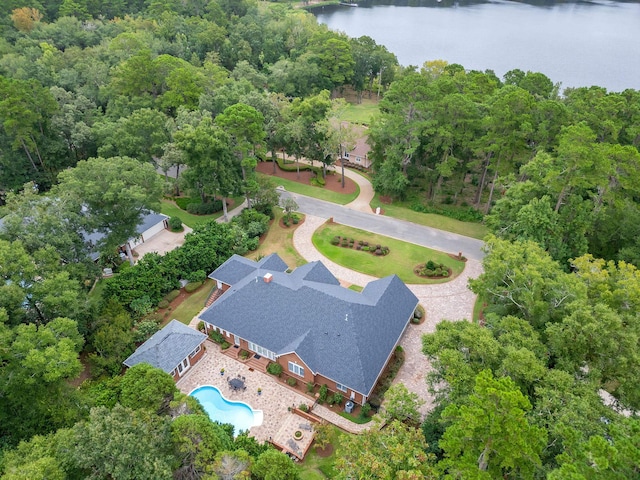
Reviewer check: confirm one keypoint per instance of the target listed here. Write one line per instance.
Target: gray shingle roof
(168, 347)
(236, 268)
(342, 334)
(149, 220)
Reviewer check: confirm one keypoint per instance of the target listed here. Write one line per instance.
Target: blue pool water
(219, 409)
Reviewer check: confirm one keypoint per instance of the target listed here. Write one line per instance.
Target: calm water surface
(575, 43)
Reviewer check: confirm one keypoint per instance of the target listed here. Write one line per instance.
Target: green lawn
(360, 113)
(477, 309)
(192, 305)
(169, 208)
(95, 295)
(403, 212)
(401, 260)
(279, 240)
(315, 467)
(316, 192)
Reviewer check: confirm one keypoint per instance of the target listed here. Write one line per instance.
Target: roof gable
(167, 347)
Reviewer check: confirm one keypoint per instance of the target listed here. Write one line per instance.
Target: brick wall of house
(333, 388)
(192, 361)
(292, 357)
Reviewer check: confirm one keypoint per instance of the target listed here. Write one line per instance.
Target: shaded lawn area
(169, 207)
(401, 260)
(279, 240)
(316, 192)
(317, 466)
(402, 211)
(360, 113)
(192, 304)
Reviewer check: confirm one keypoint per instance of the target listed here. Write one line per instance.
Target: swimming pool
(219, 409)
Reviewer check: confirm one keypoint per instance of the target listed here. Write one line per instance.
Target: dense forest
(97, 97)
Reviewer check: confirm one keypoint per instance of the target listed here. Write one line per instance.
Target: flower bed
(361, 245)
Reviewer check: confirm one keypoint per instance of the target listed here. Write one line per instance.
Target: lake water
(575, 43)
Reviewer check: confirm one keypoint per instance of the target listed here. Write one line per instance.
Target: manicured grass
(316, 467)
(355, 419)
(279, 240)
(401, 260)
(192, 305)
(170, 208)
(355, 288)
(360, 113)
(477, 309)
(95, 295)
(316, 192)
(403, 212)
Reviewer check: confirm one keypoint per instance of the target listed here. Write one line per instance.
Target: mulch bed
(301, 219)
(324, 452)
(333, 180)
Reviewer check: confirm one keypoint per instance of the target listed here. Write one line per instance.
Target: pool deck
(275, 399)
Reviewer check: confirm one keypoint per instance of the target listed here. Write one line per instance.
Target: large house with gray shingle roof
(317, 330)
(174, 349)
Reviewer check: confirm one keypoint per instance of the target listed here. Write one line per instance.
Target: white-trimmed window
(193, 354)
(297, 369)
(346, 154)
(263, 352)
(341, 387)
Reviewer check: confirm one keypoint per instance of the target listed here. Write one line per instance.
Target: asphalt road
(391, 227)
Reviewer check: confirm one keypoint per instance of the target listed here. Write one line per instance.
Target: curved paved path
(445, 301)
(362, 202)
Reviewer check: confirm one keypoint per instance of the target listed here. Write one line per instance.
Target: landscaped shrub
(224, 345)
(172, 295)
(274, 369)
(244, 354)
(175, 224)
(183, 202)
(364, 410)
(310, 387)
(322, 394)
(303, 407)
(163, 304)
(433, 269)
(201, 326)
(252, 243)
(335, 240)
(317, 181)
(216, 337)
(192, 287)
(295, 219)
(292, 382)
(338, 398)
(205, 208)
(197, 277)
(253, 222)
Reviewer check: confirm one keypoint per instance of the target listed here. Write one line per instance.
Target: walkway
(444, 301)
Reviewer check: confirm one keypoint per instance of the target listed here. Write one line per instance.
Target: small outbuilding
(174, 349)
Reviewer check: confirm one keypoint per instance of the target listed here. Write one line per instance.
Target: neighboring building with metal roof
(174, 349)
(319, 331)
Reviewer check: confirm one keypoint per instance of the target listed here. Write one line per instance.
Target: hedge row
(204, 250)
